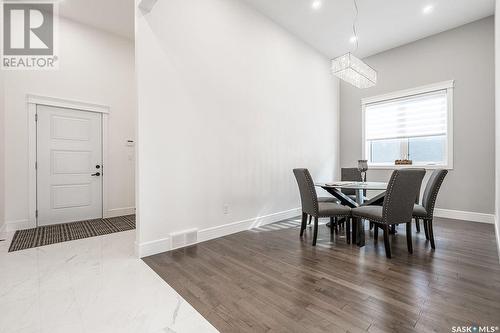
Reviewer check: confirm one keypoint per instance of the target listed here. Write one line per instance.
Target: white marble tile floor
(91, 285)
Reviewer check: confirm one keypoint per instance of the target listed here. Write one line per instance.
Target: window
(414, 124)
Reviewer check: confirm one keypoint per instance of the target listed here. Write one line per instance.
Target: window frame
(449, 86)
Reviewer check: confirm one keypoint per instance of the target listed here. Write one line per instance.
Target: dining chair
(397, 208)
(327, 199)
(417, 200)
(351, 174)
(313, 207)
(425, 211)
(417, 222)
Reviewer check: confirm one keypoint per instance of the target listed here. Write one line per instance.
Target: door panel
(71, 162)
(71, 195)
(66, 128)
(69, 147)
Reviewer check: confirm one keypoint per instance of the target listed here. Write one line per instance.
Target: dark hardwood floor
(269, 280)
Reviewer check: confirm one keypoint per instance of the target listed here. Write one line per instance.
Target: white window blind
(413, 116)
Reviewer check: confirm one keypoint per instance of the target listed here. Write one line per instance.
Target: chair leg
(303, 224)
(426, 229)
(348, 230)
(408, 237)
(354, 227)
(372, 225)
(310, 219)
(386, 241)
(335, 221)
(315, 237)
(375, 232)
(333, 225)
(431, 233)
(417, 224)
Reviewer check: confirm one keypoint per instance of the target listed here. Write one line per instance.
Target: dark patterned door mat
(57, 233)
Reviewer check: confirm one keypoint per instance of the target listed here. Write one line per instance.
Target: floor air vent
(183, 238)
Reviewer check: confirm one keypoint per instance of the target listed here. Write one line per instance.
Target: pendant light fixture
(351, 69)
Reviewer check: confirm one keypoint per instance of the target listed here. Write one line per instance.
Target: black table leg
(354, 230)
(358, 229)
(360, 232)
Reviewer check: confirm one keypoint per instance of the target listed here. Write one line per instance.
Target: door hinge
(36, 165)
(36, 213)
(36, 116)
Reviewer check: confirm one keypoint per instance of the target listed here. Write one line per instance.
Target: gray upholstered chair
(326, 199)
(350, 174)
(347, 174)
(425, 211)
(417, 200)
(402, 190)
(311, 206)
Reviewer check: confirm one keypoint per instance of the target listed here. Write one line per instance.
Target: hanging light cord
(355, 21)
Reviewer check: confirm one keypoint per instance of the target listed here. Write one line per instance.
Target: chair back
(350, 174)
(432, 189)
(308, 195)
(402, 191)
(417, 199)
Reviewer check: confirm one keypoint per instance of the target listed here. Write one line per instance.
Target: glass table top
(355, 185)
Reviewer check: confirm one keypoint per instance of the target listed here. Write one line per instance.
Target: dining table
(335, 188)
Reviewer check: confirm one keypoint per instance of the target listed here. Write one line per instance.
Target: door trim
(32, 101)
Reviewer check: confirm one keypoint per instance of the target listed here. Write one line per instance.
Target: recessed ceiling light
(316, 4)
(428, 9)
(353, 39)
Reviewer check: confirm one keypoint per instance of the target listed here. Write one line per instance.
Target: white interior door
(69, 165)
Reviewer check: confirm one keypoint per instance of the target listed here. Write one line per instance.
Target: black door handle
(97, 174)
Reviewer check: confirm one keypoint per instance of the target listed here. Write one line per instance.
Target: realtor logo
(28, 36)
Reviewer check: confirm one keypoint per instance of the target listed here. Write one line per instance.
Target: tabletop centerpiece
(363, 168)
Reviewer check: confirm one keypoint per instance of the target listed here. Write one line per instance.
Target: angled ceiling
(382, 24)
(114, 16)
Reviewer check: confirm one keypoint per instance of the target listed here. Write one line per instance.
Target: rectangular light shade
(354, 71)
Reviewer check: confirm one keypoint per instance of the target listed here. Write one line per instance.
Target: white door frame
(32, 102)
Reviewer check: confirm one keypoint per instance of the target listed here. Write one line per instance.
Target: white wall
(497, 124)
(229, 104)
(466, 55)
(2, 148)
(95, 67)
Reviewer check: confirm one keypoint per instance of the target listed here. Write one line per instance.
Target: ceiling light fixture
(316, 4)
(428, 9)
(351, 69)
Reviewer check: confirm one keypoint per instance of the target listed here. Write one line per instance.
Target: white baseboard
(497, 233)
(231, 228)
(147, 249)
(119, 212)
(463, 215)
(162, 245)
